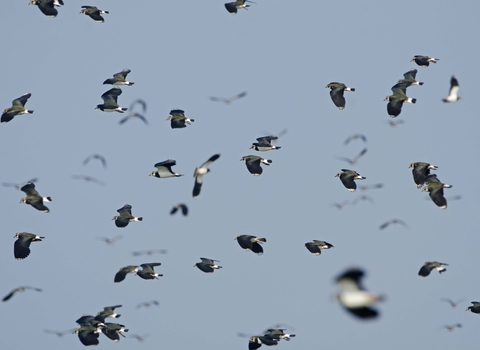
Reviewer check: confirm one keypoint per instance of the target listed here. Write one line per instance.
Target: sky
(283, 54)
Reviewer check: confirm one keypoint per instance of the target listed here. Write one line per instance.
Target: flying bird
(451, 327)
(150, 252)
(452, 303)
(347, 177)
(362, 198)
(394, 123)
(133, 116)
(94, 13)
(355, 137)
(475, 307)
(199, 172)
(20, 185)
(182, 207)
(58, 333)
(392, 222)
(33, 198)
(119, 79)
(420, 171)
(429, 266)
(110, 103)
(17, 290)
(355, 159)
(315, 247)
(395, 101)
(232, 7)
(178, 120)
(423, 61)
(147, 304)
(88, 179)
(264, 144)
(336, 93)
(435, 190)
(113, 330)
(453, 93)
(88, 334)
(108, 311)
(122, 273)
(251, 243)
(18, 108)
(47, 6)
(140, 338)
(253, 164)
(21, 247)
(111, 241)
(140, 102)
(125, 216)
(340, 205)
(148, 272)
(409, 77)
(207, 265)
(164, 169)
(97, 157)
(371, 187)
(228, 100)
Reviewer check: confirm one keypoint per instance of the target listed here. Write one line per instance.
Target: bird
(125, 216)
(371, 187)
(140, 102)
(94, 13)
(207, 265)
(435, 190)
(420, 171)
(19, 289)
(355, 137)
(395, 101)
(110, 103)
(253, 164)
(88, 179)
(148, 272)
(33, 198)
(199, 172)
(336, 93)
(355, 159)
(232, 7)
(21, 247)
(122, 273)
(278, 334)
(108, 311)
(19, 185)
(315, 247)
(409, 77)
(263, 143)
(452, 303)
(133, 116)
(475, 307)
(423, 61)
(394, 123)
(58, 333)
(113, 330)
(453, 93)
(353, 296)
(88, 334)
(229, 100)
(140, 338)
(164, 169)
(251, 243)
(392, 222)
(256, 341)
(18, 108)
(362, 198)
(150, 252)
(340, 205)
(111, 241)
(97, 157)
(147, 304)
(347, 177)
(119, 79)
(429, 266)
(178, 120)
(47, 6)
(451, 327)
(183, 207)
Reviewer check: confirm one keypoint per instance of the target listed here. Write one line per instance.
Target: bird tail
(276, 147)
(349, 89)
(117, 315)
(411, 100)
(420, 83)
(447, 186)
(130, 83)
(138, 219)
(47, 199)
(124, 109)
(258, 239)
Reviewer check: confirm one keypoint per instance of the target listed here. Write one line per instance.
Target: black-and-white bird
(199, 172)
(97, 157)
(420, 171)
(88, 334)
(125, 216)
(119, 79)
(355, 159)
(94, 13)
(453, 93)
(33, 198)
(410, 78)
(108, 311)
(18, 108)
(395, 101)
(264, 144)
(122, 273)
(229, 100)
(17, 290)
(279, 334)
(164, 169)
(183, 208)
(148, 272)
(348, 178)
(336, 93)
(21, 247)
(429, 266)
(207, 265)
(178, 120)
(258, 340)
(315, 247)
(47, 6)
(475, 307)
(110, 103)
(113, 330)
(251, 243)
(435, 188)
(253, 164)
(232, 7)
(423, 61)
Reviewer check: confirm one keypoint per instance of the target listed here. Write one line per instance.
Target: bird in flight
(453, 93)
(199, 172)
(229, 100)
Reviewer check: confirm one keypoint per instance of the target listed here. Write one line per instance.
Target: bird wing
(29, 189)
(121, 75)
(210, 161)
(22, 100)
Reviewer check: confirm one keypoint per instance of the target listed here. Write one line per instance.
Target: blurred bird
(20, 185)
(97, 157)
(18, 108)
(392, 222)
(17, 290)
(33, 198)
(409, 77)
(58, 333)
(340, 206)
(395, 101)
(147, 304)
(251, 243)
(88, 179)
(475, 307)
(452, 327)
(435, 190)
(140, 338)
(336, 93)
(355, 137)
(453, 93)
(452, 303)
(140, 102)
(148, 272)
(110, 103)
(47, 6)
(347, 177)
(178, 120)
(183, 207)
(253, 164)
(263, 143)
(423, 61)
(231, 99)
(21, 247)
(125, 216)
(394, 123)
(120, 275)
(429, 266)
(362, 198)
(370, 187)
(420, 172)
(199, 172)
(164, 169)
(232, 7)
(315, 247)
(110, 241)
(119, 79)
(94, 13)
(207, 265)
(355, 159)
(133, 116)
(150, 252)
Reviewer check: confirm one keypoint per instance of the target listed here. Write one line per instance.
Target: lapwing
(119, 79)
(435, 190)
(253, 164)
(264, 144)
(110, 103)
(315, 247)
(347, 177)
(420, 172)
(279, 334)
(125, 216)
(34, 199)
(258, 340)
(232, 7)
(140, 338)
(199, 172)
(87, 178)
(97, 157)
(17, 290)
(229, 100)
(429, 266)
(148, 272)
(21, 247)
(178, 120)
(423, 61)
(120, 275)
(452, 303)
(147, 304)
(410, 78)
(355, 137)
(111, 241)
(453, 93)
(451, 327)
(94, 13)
(47, 6)
(164, 169)
(183, 208)
(475, 307)
(89, 320)
(353, 296)
(251, 243)
(133, 116)
(113, 330)
(108, 311)
(355, 159)
(88, 334)
(207, 265)
(18, 108)
(19, 185)
(336, 93)
(392, 222)
(395, 101)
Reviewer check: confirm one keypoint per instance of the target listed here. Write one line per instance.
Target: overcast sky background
(284, 54)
